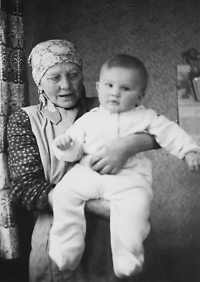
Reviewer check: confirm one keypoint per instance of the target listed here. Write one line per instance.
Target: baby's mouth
(113, 102)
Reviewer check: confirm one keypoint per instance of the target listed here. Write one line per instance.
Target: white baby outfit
(129, 192)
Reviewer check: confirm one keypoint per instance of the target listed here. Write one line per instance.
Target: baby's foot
(126, 265)
(65, 262)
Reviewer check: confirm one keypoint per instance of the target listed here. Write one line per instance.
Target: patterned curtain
(12, 97)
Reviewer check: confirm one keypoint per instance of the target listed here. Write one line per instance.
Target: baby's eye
(126, 88)
(109, 85)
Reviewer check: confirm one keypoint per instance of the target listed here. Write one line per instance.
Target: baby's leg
(68, 230)
(129, 223)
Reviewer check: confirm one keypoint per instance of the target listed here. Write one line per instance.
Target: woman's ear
(40, 88)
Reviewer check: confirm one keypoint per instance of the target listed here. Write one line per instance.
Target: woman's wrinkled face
(62, 84)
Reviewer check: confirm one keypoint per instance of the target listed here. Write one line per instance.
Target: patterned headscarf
(46, 54)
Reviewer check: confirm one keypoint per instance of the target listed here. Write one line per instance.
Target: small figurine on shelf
(192, 57)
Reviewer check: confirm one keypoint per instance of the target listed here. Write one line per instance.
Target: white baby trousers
(130, 197)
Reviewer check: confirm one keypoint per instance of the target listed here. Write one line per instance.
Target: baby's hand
(63, 142)
(193, 161)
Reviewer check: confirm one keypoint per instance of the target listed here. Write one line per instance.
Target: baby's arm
(67, 149)
(193, 161)
(63, 142)
(69, 145)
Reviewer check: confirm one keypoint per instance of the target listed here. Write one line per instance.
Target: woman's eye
(54, 78)
(73, 75)
(109, 85)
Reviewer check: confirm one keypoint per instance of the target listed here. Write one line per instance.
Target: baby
(121, 87)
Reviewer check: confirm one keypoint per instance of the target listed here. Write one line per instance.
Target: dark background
(157, 32)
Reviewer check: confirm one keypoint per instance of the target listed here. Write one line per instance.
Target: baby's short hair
(130, 62)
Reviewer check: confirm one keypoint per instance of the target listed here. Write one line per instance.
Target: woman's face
(62, 84)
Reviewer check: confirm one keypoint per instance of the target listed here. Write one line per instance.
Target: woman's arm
(99, 207)
(28, 187)
(112, 157)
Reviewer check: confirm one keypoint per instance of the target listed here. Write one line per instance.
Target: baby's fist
(193, 161)
(63, 142)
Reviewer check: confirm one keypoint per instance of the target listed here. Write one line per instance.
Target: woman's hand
(99, 207)
(112, 157)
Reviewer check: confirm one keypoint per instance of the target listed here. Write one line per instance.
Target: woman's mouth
(66, 95)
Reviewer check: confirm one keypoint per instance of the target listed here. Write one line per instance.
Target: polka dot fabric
(29, 187)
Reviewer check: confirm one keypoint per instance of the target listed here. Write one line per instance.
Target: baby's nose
(115, 92)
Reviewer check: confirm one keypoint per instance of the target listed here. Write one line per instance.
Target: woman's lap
(96, 263)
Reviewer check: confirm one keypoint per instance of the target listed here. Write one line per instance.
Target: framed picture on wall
(188, 102)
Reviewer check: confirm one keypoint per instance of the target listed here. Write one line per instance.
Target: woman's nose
(65, 83)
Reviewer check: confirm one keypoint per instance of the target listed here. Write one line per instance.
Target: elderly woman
(34, 170)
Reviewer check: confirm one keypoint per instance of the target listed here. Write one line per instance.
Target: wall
(157, 32)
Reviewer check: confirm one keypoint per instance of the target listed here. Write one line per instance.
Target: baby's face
(119, 89)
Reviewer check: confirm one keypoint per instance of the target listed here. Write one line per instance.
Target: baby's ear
(97, 86)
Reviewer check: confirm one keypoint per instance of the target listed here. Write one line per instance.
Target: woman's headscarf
(46, 54)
